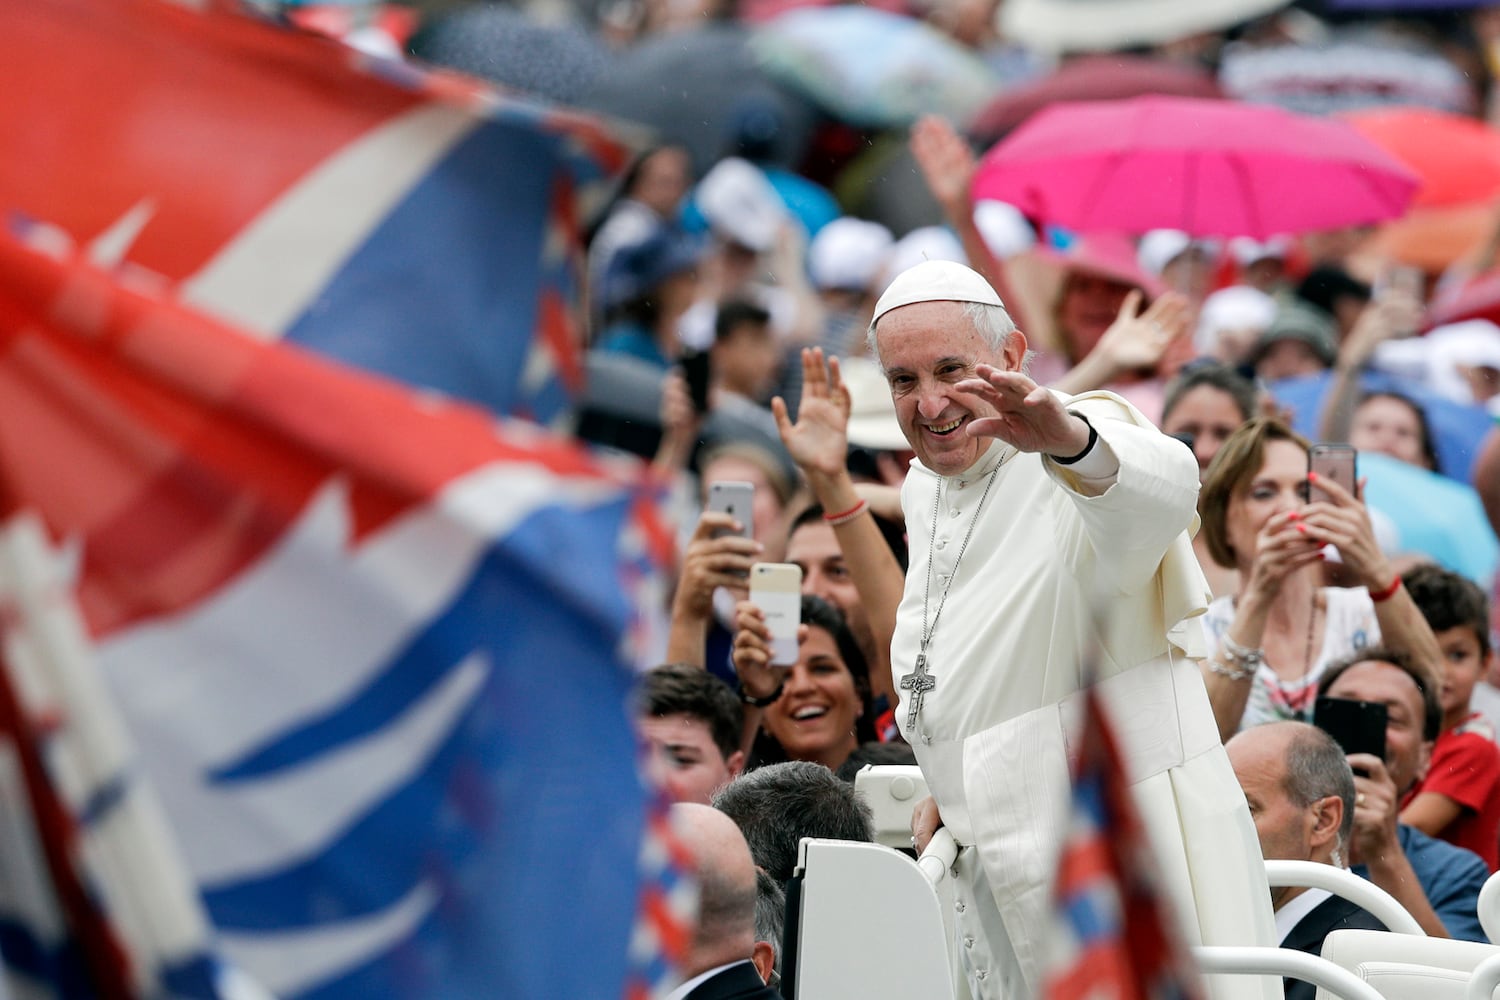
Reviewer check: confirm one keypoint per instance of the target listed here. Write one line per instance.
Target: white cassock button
(942, 543)
(952, 511)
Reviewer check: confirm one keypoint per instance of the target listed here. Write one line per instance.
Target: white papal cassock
(1006, 655)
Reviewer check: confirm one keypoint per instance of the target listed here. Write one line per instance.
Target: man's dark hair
(737, 313)
(1216, 376)
(1317, 767)
(1432, 708)
(779, 804)
(1450, 600)
(1326, 284)
(684, 689)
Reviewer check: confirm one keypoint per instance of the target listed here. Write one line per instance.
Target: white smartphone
(735, 499)
(776, 588)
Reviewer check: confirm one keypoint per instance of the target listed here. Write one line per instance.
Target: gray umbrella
(702, 88)
(558, 62)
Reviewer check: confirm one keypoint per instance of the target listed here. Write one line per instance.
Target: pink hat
(1106, 255)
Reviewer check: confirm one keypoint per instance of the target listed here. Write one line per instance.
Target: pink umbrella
(1211, 168)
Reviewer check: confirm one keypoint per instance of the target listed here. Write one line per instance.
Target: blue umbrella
(1457, 430)
(874, 69)
(1432, 515)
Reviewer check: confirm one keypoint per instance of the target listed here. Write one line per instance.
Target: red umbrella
(1477, 298)
(1211, 168)
(1091, 78)
(1457, 158)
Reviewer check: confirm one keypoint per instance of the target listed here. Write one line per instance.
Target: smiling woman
(823, 712)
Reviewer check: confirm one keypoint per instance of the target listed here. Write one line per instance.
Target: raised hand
(714, 559)
(1028, 416)
(818, 442)
(1343, 521)
(1140, 339)
(751, 652)
(946, 161)
(1283, 546)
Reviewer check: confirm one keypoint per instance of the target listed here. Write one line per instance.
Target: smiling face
(814, 717)
(1281, 484)
(815, 548)
(926, 348)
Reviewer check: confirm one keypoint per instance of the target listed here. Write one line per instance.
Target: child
(1459, 799)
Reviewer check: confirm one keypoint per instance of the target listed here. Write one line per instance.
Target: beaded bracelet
(1233, 673)
(1243, 657)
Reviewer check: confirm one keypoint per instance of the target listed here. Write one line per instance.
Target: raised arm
(947, 164)
(713, 559)
(818, 443)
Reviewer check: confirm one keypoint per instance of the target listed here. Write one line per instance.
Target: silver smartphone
(734, 498)
(1335, 462)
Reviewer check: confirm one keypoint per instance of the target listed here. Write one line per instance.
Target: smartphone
(1357, 726)
(735, 499)
(1335, 462)
(695, 373)
(776, 588)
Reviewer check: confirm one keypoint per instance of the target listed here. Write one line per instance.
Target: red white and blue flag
(417, 225)
(1113, 936)
(373, 645)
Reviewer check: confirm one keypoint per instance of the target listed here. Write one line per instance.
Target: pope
(1049, 531)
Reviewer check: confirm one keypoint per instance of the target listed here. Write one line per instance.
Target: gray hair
(991, 322)
(1316, 768)
(777, 805)
(770, 912)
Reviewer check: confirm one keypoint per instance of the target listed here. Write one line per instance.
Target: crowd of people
(1010, 460)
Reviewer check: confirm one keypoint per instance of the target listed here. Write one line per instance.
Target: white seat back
(891, 791)
(868, 925)
(1405, 966)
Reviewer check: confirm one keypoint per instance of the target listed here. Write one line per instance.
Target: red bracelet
(1388, 592)
(846, 516)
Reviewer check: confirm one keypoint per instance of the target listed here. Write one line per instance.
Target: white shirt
(1290, 915)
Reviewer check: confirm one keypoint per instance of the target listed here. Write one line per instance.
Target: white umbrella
(1110, 25)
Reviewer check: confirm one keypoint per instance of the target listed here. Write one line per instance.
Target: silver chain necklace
(919, 681)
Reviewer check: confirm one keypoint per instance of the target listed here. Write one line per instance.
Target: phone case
(776, 588)
(735, 499)
(1332, 461)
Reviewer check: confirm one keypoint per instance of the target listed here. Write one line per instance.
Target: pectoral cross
(918, 682)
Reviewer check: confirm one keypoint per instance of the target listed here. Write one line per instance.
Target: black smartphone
(695, 372)
(1357, 726)
(1335, 462)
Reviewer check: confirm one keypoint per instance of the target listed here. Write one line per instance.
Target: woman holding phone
(819, 708)
(1270, 641)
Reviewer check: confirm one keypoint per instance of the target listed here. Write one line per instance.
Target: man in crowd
(1436, 882)
(692, 722)
(1043, 528)
(777, 805)
(723, 961)
(1301, 795)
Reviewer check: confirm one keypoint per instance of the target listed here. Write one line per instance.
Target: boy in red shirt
(1459, 799)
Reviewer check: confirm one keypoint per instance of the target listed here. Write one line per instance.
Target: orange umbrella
(1457, 158)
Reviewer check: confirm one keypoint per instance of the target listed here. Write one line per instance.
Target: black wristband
(763, 702)
(1093, 440)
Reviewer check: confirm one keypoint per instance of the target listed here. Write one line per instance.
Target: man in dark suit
(1301, 795)
(724, 961)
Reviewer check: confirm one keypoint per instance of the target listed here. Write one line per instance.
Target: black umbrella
(703, 88)
(558, 62)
